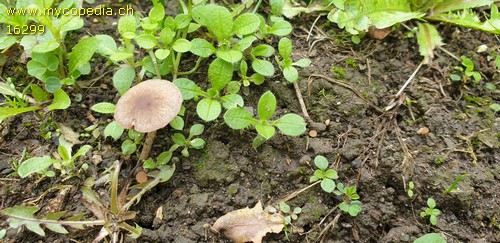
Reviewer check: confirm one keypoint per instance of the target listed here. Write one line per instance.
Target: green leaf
(304, 62)
(164, 158)
(430, 238)
(291, 74)
(216, 18)
(238, 118)
(122, 79)
(277, 6)
(38, 93)
(197, 143)
(263, 67)
(201, 47)
(127, 24)
(431, 203)
(146, 41)
(182, 45)
(281, 28)
(331, 174)
(52, 84)
(7, 41)
(82, 53)
(428, 39)
(220, 73)
(6, 112)
(262, 50)
(285, 47)
(257, 79)
(157, 13)
(45, 47)
(354, 209)
(162, 53)
(360, 15)
(107, 45)
(266, 106)
(452, 5)
(321, 162)
(265, 131)
(208, 109)
(188, 88)
(128, 147)
(244, 43)
(68, 23)
(433, 220)
(104, 108)
(61, 101)
(196, 129)
(114, 130)
(119, 56)
(182, 21)
(231, 56)
(34, 165)
(327, 185)
(82, 151)
(291, 125)
(246, 23)
(232, 100)
(177, 123)
(167, 35)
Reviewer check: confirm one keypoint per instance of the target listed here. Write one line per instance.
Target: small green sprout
(351, 204)
(290, 215)
(411, 185)
(324, 174)
(431, 211)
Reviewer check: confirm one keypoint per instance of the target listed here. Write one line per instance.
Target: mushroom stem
(148, 143)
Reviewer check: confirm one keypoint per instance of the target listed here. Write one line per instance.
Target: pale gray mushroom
(149, 105)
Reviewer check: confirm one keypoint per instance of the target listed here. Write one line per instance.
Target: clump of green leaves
(290, 215)
(431, 211)
(468, 70)
(64, 161)
(289, 124)
(350, 203)
(111, 215)
(50, 62)
(325, 174)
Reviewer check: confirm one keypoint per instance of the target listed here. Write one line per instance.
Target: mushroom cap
(149, 105)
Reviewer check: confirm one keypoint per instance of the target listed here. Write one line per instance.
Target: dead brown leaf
(248, 224)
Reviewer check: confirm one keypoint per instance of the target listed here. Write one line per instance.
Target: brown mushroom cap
(149, 105)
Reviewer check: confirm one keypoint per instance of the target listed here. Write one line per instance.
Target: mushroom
(147, 107)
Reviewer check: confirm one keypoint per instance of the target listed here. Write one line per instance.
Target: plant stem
(148, 143)
(196, 66)
(155, 63)
(114, 189)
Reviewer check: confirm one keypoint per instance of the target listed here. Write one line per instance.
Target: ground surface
(379, 153)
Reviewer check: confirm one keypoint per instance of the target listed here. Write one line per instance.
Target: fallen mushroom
(147, 107)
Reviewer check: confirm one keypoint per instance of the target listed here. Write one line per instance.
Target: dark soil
(379, 152)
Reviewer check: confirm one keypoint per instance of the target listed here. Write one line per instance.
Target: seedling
(286, 64)
(289, 216)
(454, 186)
(431, 211)
(325, 174)
(190, 142)
(430, 237)
(409, 191)
(63, 161)
(289, 124)
(350, 204)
